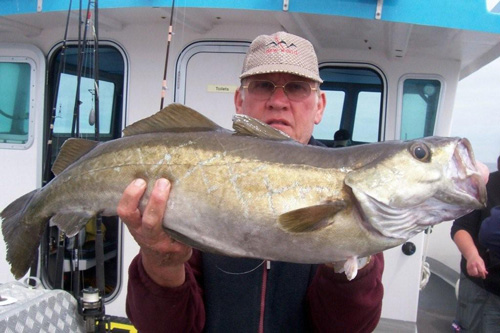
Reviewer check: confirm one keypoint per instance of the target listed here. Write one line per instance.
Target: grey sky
(476, 114)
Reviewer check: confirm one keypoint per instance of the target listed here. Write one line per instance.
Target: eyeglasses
(294, 90)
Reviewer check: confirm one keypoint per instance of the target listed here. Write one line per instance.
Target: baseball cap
(281, 52)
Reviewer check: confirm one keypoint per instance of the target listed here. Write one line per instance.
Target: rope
(426, 274)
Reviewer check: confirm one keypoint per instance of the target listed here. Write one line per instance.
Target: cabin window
(70, 263)
(420, 102)
(354, 103)
(16, 101)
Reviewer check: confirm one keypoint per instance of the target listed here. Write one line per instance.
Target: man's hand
(162, 257)
(476, 267)
(466, 246)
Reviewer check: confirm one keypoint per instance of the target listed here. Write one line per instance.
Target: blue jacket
(489, 234)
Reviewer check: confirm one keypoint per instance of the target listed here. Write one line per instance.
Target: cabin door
(207, 77)
(70, 263)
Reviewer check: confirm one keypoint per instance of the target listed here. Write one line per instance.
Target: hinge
(378, 11)
(285, 5)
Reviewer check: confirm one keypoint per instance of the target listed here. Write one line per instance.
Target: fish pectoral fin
(245, 125)
(71, 223)
(310, 218)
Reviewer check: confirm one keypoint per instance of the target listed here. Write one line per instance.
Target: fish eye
(421, 152)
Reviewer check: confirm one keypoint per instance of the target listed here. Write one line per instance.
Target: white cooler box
(24, 309)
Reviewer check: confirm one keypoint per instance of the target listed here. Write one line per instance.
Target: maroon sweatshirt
(223, 294)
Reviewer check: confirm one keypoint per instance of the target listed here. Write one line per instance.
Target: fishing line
(241, 273)
(170, 32)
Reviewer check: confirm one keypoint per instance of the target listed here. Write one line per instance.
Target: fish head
(412, 185)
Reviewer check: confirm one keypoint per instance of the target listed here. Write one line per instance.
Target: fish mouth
(466, 176)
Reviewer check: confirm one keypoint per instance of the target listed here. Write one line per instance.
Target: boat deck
(436, 310)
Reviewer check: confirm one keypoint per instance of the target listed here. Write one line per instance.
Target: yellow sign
(219, 88)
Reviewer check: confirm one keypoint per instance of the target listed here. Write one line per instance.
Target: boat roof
(463, 30)
(480, 15)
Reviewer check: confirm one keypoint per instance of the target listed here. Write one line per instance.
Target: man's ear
(320, 108)
(238, 100)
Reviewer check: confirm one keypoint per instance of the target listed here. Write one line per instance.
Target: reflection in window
(14, 102)
(420, 106)
(66, 101)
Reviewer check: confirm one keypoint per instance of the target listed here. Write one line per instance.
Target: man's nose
(279, 94)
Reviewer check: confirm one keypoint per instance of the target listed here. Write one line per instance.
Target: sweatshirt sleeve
(469, 223)
(489, 234)
(339, 305)
(153, 308)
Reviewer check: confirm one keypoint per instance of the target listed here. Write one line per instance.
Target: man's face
(293, 117)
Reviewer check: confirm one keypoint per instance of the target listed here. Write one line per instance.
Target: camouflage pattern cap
(281, 53)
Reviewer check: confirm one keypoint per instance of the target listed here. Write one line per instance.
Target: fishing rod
(169, 39)
(48, 156)
(96, 69)
(76, 107)
(92, 308)
(99, 237)
(82, 44)
(62, 61)
(75, 132)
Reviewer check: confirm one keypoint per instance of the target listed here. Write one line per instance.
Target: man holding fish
(265, 192)
(177, 289)
(262, 192)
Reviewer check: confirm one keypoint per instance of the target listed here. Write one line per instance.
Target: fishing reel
(91, 308)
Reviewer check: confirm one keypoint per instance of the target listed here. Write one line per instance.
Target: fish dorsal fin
(245, 125)
(71, 150)
(173, 118)
(310, 218)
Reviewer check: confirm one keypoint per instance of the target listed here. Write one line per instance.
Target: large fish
(254, 192)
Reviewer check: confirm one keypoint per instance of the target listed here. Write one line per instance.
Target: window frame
(383, 92)
(32, 102)
(400, 94)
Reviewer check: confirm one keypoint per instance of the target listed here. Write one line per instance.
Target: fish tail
(21, 235)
